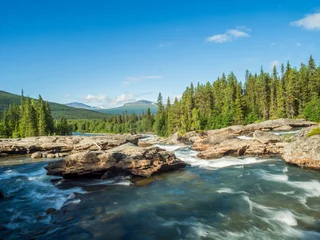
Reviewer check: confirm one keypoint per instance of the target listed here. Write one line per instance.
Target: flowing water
(227, 198)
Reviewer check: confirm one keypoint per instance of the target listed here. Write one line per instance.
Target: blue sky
(109, 52)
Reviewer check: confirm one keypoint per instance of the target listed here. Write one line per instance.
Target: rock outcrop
(201, 141)
(265, 137)
(127, 159)
(149, 140)
(250, 140)
(50, 146)
(304, 151)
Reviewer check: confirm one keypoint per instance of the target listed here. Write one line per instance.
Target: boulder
(36, 155)
(304, 152)
(283, 128)
(273, 124)
(50, 211)
(211, 140)
(149, 141)
(235, 147)
(265, 137)
(127, 159)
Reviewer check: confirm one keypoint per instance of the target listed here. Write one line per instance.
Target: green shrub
(313, 132)
(312, 110)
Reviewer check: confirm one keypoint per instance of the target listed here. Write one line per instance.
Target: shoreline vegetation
(261, 139)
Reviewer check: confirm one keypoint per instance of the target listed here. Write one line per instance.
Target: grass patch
(313, 132)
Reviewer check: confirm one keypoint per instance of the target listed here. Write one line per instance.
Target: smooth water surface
(227, 198)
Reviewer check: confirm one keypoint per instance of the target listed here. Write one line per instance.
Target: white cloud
(130, 80)
(230, 35)
(120, 100)
(108, 102)
(274, 63)
(298, 44)
(310, 22)
(237, 33)
(94, 98)
(220, 38)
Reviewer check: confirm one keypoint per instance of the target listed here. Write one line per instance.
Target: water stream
(226, 198)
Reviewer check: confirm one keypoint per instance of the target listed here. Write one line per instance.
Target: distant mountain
(140, 102)
(137, 107)
(79, 105)
(57, 110)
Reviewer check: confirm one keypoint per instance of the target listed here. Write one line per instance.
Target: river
(226, 198)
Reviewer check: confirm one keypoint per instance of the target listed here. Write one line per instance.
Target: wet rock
(304, 152)
(210, 140)
(123, 160)
(50, 155)
(149, 141)
(40, 218)
(265, 137)
(36, 155)
(235, 147)
(50, 211)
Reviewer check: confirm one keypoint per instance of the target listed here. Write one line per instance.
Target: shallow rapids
(226, 198)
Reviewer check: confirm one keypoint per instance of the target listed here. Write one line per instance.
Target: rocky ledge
(303, 151)
(127, 159)
(258, 140)
(60, 146)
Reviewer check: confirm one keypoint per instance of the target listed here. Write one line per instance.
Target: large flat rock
(304, 152)
(62, 144)
(127, 159)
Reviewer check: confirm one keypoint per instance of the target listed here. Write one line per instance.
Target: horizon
(107, 54)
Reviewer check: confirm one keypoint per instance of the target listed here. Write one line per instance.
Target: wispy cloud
(94, 98)
(309, 22)
(130, 80)
(298, 44)
(109, 102)
(230, 35)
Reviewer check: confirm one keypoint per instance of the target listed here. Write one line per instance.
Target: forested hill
(287, 92)
(57, 110)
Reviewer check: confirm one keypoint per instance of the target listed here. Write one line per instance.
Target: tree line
(291, 93)
(285, 93)
(31, 118)
(288, 92)
(120, 123)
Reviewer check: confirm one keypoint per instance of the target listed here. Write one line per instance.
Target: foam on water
(230, 191)
(280, 133)
(216, 163)
(33, 194)
(271, 214)
(170, 148)
(309, 188)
